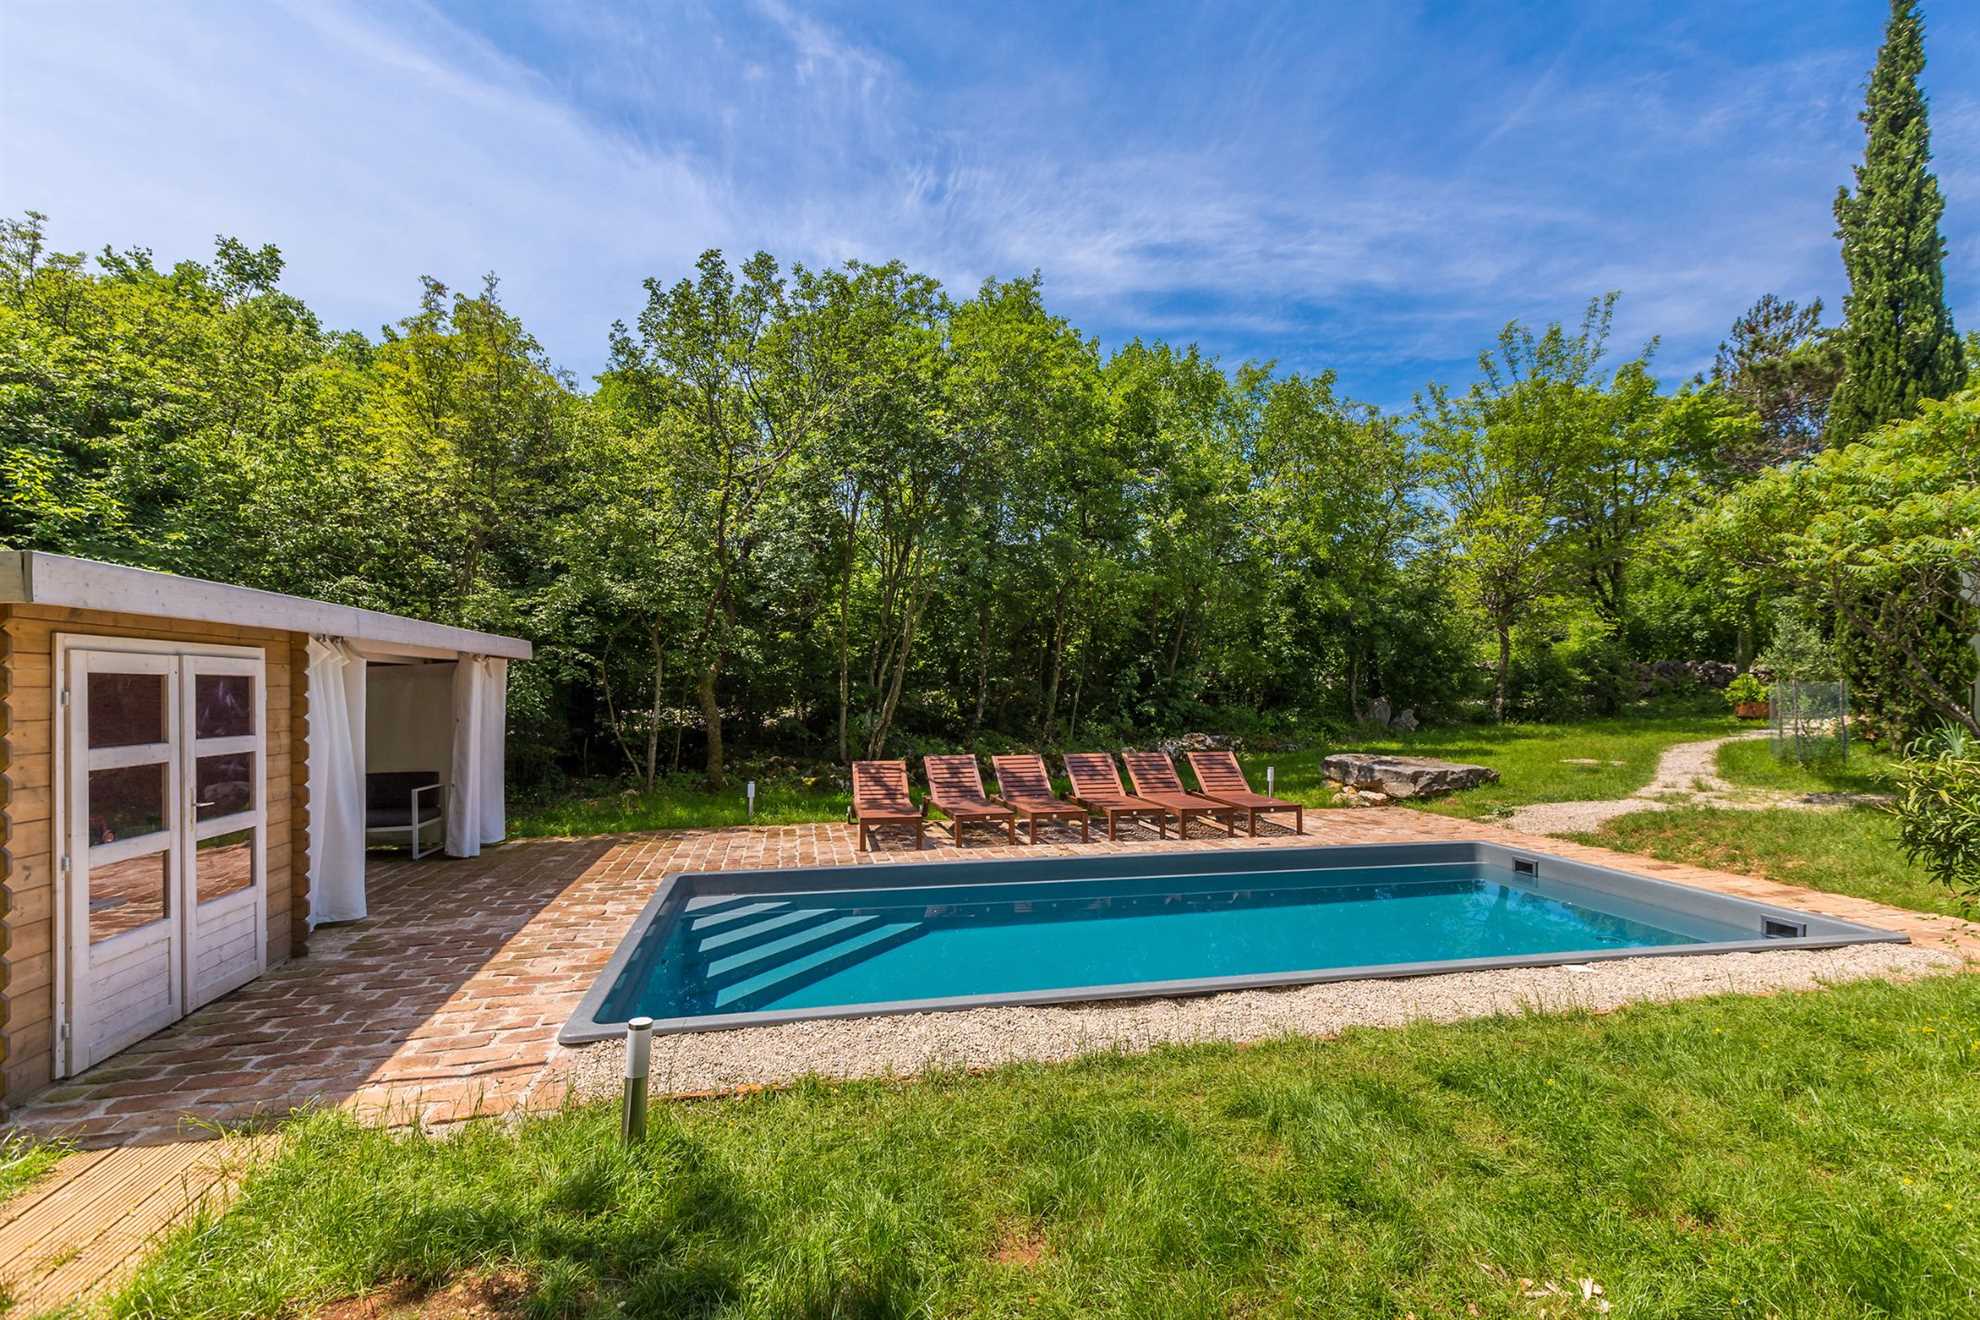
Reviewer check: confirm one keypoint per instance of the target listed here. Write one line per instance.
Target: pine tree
(1899, 347)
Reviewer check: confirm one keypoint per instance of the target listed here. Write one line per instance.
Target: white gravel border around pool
(694, 1063)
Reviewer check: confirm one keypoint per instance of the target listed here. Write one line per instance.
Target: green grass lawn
(678, 803)
(1435, 1170)
(1578, 762)
(1849, 851)
(1754, 765)
(1852, 850)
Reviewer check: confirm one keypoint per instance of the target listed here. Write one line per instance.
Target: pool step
(760, 928)
(721, 914)
(732, 963)
(785, 974)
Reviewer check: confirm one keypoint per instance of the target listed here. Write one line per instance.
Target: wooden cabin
(183, 788)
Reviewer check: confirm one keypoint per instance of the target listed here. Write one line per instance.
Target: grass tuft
(24, 1161)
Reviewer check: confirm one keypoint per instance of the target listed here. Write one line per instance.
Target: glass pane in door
(126, 802)
(126, 710)
(223, 785)
(128, 894)
(223, 705)
(224, 865)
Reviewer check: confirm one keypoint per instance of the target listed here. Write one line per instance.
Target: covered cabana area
(191, 773)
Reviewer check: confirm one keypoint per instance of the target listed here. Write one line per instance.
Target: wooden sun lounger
(880, 797)
(955, 786)
(1096, 785)
(1024, 786)
(1222, 778)
(1154, 777)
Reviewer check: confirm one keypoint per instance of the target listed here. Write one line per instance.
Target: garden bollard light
(639, 1057)
(1270, 773)
(749, 791)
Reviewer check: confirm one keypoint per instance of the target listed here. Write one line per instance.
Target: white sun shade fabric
(336, 692)
(494, 750)
(476, 814)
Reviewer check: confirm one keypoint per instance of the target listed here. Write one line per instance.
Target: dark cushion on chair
(388, 798)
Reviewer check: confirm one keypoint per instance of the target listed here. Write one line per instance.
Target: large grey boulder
(1403, 776)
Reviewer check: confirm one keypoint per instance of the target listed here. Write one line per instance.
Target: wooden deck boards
(84, 1228)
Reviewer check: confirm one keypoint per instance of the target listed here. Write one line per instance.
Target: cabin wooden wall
(27, 846)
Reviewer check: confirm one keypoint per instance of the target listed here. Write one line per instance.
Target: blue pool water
(807, 949)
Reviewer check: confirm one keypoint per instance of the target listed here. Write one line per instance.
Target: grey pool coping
(1817, 931)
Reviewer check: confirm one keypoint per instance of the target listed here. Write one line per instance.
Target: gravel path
(911, 1043)
(1687, 776)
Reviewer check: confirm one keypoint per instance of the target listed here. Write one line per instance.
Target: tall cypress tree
(1899, 344)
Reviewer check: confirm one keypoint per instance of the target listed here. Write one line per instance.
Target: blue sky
(1375, 188)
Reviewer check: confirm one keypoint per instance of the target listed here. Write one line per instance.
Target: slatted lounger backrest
(881, 786)
(1153, 772)
(954, 778)
(1093, 775)
(1023, 777)
(1219, 772)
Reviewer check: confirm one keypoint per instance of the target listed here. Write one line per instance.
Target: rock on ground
(1404, 776)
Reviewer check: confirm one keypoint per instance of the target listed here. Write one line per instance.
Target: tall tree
(1505, 457)
(1900, 348)
(718, 371)
(1782, 365)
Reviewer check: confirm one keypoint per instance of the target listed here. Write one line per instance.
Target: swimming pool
(738, 948)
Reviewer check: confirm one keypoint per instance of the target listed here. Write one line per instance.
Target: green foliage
(1798, 652)
(1938, 807)
(842, 512)
(1805, 1155)
(1557, 479)
(1782, 366)
(1881, 537)
(1900, 348)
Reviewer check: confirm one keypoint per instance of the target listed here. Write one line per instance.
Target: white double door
(163, 825)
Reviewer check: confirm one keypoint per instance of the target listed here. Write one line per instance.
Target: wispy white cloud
(1360, 189)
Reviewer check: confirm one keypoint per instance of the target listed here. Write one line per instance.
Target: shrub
(1543, 686)
(1938, 807)
(1745, 689)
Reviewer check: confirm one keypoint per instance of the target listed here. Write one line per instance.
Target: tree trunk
(679, 732)
(1079, 685)
(711, 719)
(1505, 668)
(884, 721)
(612, 716)
(845, 634)
(982, 669)
(653, 720)
(1058, 664)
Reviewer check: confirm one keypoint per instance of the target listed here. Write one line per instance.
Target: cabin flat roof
(36, 577)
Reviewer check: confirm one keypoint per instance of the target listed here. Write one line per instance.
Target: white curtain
(476, 811)
(335, 689)
(494, 731)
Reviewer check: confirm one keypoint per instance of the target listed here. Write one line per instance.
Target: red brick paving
(445, 1002)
